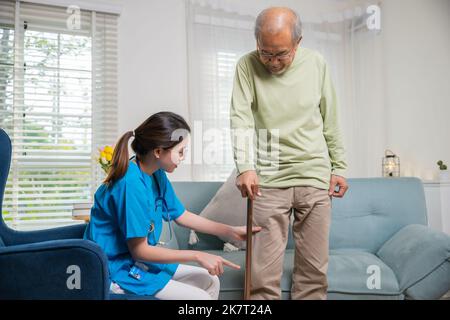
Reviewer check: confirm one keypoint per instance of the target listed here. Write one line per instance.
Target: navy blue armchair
(48, 264)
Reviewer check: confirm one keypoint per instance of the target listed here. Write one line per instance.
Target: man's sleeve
(331, 128)
(241, 120)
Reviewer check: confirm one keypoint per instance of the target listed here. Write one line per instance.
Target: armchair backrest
(10, 236)
(27, 254)
(5, 163)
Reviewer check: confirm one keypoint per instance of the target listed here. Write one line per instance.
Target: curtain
(220, 32)
(216, 40)
(58, 103)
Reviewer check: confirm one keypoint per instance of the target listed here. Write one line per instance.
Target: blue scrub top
(131, 208)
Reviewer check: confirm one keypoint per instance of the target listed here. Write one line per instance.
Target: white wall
(417, 56)
(152, 63)
(153, 71)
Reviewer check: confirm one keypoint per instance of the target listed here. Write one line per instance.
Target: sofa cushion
(350, 272)
(347, 276)
(206, 242)
(415, 252)
(228, 207)
(433, 286)
(373, 210)
(195, 196)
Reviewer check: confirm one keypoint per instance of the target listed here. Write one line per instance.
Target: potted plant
(443, 172)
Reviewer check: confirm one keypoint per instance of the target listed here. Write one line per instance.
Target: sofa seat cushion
(347, 275)
(352, 272)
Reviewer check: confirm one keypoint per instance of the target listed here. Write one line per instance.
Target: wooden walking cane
(248, 253)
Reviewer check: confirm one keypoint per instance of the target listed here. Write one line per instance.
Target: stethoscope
(160, 202)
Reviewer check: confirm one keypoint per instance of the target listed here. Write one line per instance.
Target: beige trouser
(312, 214)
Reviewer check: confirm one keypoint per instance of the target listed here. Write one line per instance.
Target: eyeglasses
(279, 57)
(282, 56)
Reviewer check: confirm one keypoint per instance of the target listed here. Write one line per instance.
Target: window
(216, 41)
(58, 104)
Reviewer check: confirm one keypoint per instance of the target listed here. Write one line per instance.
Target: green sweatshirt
(302, 142)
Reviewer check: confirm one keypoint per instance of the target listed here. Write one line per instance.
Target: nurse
(128, 212)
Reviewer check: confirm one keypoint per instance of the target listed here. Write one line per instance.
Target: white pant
(188, 283)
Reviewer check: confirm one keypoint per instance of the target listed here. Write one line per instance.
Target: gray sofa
(380, 245)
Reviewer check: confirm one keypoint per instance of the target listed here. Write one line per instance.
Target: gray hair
(296, 28)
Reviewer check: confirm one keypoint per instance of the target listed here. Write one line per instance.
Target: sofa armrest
(60, 269)
(414, 252)
(14, 237)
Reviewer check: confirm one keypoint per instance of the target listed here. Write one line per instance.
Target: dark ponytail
(162, 130)
(120, 159)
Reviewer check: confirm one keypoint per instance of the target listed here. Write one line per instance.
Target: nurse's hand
(214, 264)
(240, 233)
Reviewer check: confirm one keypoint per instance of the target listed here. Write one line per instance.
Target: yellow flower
(104, 158)
(109, 150)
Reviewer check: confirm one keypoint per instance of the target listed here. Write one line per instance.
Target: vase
(444, 176)
(82, 211)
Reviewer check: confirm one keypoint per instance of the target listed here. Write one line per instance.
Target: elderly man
(284, 94)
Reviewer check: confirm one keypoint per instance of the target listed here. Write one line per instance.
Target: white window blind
(216, 41)
(58, 104)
